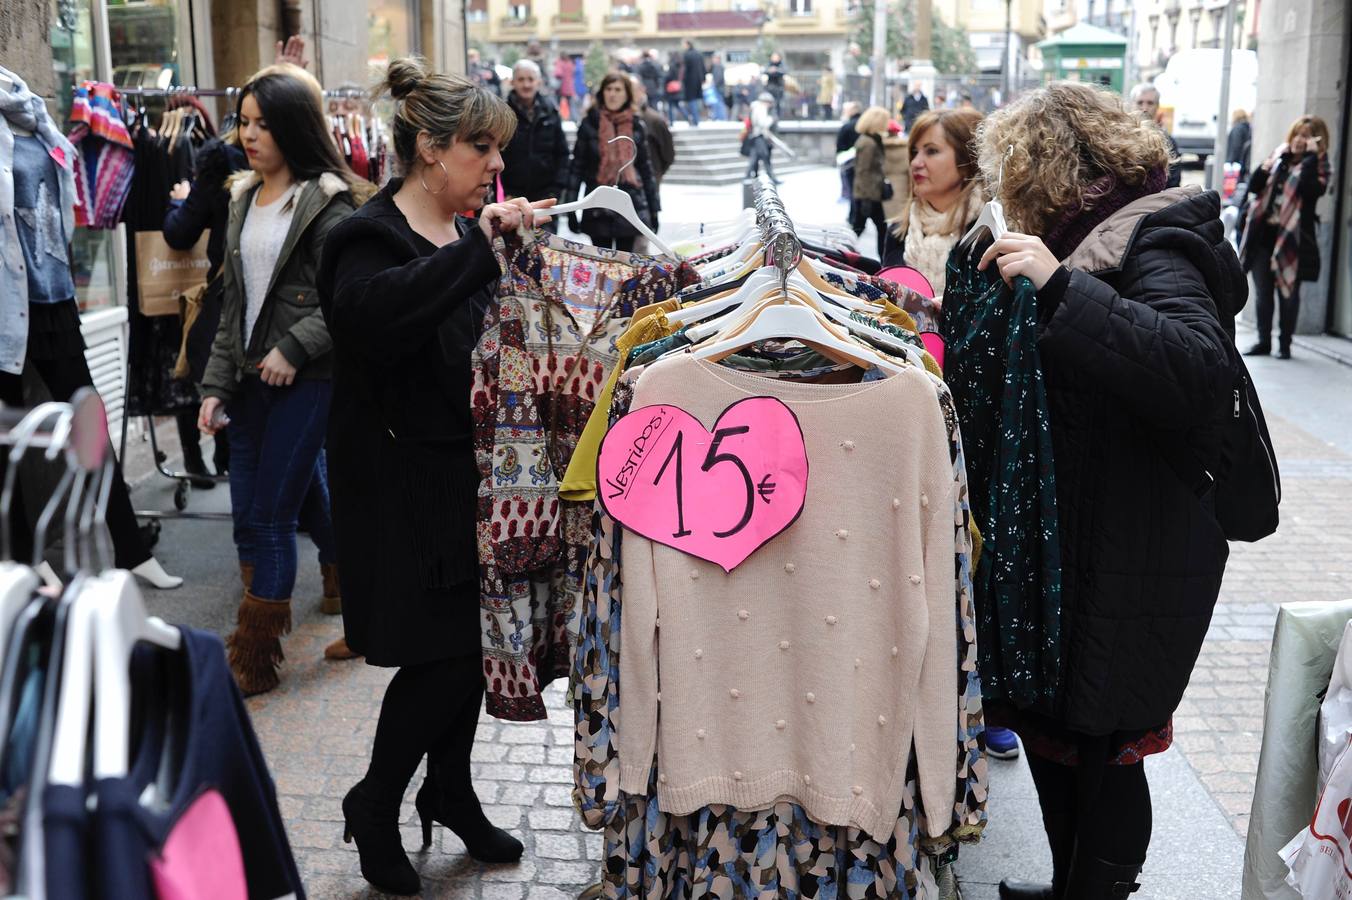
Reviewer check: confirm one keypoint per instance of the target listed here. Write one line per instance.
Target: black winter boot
(371, 818)
(439, 800)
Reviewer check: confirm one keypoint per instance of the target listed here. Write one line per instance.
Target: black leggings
(1268, 299)
(432, 710)
(63, 377)
(1119, 827)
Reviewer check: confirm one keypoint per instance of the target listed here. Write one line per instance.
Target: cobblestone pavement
(316, 729)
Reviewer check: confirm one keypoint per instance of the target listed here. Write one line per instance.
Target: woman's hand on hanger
(276, 370)
(180, 191)
(508, 215)
(1022, 254)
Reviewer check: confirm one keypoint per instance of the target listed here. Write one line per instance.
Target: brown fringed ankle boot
(332, 604)
(256, 646)
(246, 571)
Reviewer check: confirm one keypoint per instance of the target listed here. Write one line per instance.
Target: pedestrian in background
(674, 86)
(1141, 552)
(270, 367)
(845, 139)
(1281, 247)
(405, 284)
(650, 73)
(481, 73)
(1239, 142)
(536, 54)
(946, 198)
(535, 162)
(197, 208)
(601, 157)
(720, 81)
(826, 92)
(692, 82)
(774, 81)
(868, 191)
(563, 78)
(1146, 98)
(759, 150)
(661, 146)
(913, 106)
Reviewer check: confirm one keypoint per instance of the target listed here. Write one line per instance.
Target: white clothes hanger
(617, 201)
(799, 322)
(106, 620)
(992, 218)
(764, 283)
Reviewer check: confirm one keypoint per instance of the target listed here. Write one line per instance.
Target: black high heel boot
(465, 817)
(1012, 889)
(1097, 879)
(372, 820)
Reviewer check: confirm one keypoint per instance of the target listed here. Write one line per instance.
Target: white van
(1190, 95)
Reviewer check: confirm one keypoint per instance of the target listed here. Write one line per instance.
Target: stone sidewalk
(316, 729)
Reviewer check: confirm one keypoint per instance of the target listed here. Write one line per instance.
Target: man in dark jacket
(661, 147)
(846, 138)
(650, 73)
(692, 82)
(535, 160)
(915, 103)
(1146, 98)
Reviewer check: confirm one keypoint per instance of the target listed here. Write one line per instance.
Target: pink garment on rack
(201, 859)
(913, 279)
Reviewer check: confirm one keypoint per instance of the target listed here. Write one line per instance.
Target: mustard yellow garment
(579, 482)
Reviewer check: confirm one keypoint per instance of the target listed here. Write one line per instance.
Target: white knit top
(806, 673)
(260, 243)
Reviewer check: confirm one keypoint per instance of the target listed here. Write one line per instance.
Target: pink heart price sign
(718, 494)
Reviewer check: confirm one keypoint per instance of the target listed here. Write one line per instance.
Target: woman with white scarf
(945, 194)
(39, 317)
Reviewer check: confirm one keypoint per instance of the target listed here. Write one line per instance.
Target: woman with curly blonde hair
(1137, 289)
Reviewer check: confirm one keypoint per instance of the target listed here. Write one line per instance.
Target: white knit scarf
(927, 246)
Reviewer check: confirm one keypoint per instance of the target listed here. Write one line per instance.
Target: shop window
(392, 31)
(92, 259)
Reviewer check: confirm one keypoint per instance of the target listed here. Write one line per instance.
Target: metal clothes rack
(194, 91)
(783, 249)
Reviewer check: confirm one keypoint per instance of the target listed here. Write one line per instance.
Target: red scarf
(613, 156)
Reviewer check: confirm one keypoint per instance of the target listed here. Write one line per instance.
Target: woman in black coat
(404, 285)
(1137, 289)
(197, 207)
(612, 149)
(1281, 247)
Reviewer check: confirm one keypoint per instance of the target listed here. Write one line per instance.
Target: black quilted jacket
(1138, 359)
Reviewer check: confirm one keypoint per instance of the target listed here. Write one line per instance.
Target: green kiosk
(1085, 53)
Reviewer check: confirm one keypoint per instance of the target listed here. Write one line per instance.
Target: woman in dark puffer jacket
(1137, 291)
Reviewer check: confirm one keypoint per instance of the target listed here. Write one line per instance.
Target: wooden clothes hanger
(610, 197)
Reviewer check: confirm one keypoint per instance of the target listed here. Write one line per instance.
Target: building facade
(807, 32)
(985, 22)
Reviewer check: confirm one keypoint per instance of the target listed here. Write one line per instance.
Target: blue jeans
(277, 475)
(691, 110)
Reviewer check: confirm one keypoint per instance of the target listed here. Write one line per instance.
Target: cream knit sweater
(807, 672)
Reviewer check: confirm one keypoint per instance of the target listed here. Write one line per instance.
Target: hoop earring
(445, 180)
